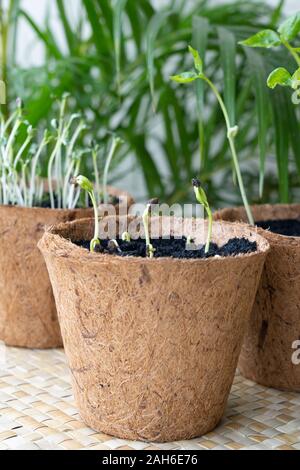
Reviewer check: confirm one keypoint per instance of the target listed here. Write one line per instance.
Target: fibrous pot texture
(274, 328)
(27, 309)
(152, 344)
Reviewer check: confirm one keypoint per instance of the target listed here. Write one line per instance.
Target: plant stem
(209, 234)
(94, 202)
(232, 148)
(96, 173)
(292, 51)
(149, 246)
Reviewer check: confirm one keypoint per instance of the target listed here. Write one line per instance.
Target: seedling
(198, 74)
(126, 237)
(20, 162)
(85, 184)
(202, 199)
(150, 250)
(113, 246)
(268, 38)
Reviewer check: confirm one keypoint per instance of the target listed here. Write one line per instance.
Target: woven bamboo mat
(37, 412)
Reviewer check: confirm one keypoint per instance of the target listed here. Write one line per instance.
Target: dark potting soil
(175, 248)
(289, 227)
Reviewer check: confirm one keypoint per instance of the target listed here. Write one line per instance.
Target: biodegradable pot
(274, 326)
(152, 344)
(27, 309)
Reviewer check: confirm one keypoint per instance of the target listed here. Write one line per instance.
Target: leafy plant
(198, 74)
(115, 62)
(285, 33)
(85, 184)
(202, 199)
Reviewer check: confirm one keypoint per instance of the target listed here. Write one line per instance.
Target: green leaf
(197, 59)
(289, 29)
(279, 76)
(117, 26)
(258, 78)
(277, 13)
(101, 40)
(43, 36)
(228, 54)
(281, 122)
(70, 37)
(155, 24)
(296, 79)
(2, 92)
(293, 128)
(185, 77)
(200, 31)
(265, 38)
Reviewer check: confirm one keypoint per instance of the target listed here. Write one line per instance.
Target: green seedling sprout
(150, 250)
(202, 199)
(95, 151)
(267, 38)
(113, 246)
(21, 160)
(198, 74)
(126, 237)
(85, 184)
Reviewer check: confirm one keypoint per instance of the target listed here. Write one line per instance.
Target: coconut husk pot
(274, 324)
(152, 344)
(27, 309)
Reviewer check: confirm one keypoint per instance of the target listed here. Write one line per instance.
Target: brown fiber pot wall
(274, 326)
(152, 344)
(27, 309)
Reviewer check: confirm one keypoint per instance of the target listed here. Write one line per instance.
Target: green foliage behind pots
(117, 71)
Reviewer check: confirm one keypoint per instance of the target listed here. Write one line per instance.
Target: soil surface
(175, 248)
(289, 227)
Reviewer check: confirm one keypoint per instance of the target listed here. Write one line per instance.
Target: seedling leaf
(265, 38)
(279, 76)
(185, 77)
(296, 79)
(197, 59)
(289, 29)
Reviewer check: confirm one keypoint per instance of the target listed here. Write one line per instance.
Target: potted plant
(28, 202)
(153, 317)
(273, 335)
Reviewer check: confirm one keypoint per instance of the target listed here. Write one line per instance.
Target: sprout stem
(146, 219)
(87, 186)
(202, 199)
(96, 173)
(231, 132)
(292, 51)
(126, 237)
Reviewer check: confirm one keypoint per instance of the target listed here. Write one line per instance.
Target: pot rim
(63, 247)
(272, 236)
(43, 209)
(123, 196)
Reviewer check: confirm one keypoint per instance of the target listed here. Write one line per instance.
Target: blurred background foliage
(116, 61)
